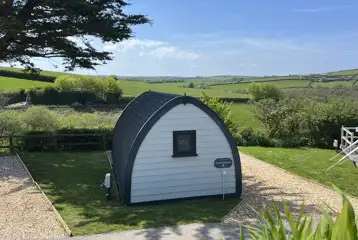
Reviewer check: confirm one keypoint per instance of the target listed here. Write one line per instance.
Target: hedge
(28, 76)
(234, 100)
(52, 96)
(65, 140)
(7, 98)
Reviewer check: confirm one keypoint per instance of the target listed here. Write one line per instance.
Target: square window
(184, 143)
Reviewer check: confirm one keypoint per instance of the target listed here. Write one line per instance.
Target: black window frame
(192, 152)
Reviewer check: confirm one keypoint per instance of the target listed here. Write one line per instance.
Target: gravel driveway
(25, 213)
(263, 183)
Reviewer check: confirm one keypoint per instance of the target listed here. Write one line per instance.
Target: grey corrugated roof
(132, 119)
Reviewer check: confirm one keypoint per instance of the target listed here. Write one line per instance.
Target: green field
(272, 78)
(9, 84)
(243, 116)
(333, 83)
(310, 163)
(344, 72)
(245, 86)
(72, 182)
(44, 73)
(131, 88)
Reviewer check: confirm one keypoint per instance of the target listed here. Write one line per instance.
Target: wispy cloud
(236, 45)
(322, 9)
(153, 48)
(173, 52)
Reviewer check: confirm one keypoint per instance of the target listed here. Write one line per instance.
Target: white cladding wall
(158, 176)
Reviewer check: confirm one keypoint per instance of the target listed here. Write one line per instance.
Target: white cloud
(322, 9)
(173, 52)
(153, 48)
(133, 44)
(244, 55)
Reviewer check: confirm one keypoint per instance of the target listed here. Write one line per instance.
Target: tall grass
(40, 118)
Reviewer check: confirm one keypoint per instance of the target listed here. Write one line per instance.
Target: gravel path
(263, 183)
(25, 213)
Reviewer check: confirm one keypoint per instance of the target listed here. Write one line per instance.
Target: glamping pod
(168, 146)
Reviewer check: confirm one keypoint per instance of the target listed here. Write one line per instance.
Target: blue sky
(245, 37)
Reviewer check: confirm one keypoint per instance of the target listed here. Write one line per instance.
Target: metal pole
(223, 184)
(223, 174)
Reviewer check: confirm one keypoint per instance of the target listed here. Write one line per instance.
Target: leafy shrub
(10, 123)
(323, 121)
(253, 137)
(281, 118)
(261, 91)
(84, 84)
(272, 226)
(114, 77)
(324, 94)
(191, 85)
(39, 118)
(223, 109)
(294, 122)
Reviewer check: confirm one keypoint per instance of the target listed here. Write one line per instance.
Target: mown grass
(310, 163)
(72, 182)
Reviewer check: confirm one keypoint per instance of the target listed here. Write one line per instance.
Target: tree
(264, 91)
(63, 29)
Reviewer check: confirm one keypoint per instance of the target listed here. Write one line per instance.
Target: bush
(223, 109)
(324, 121)
(251, 137)
(282, 118)
(100, 87)
(39, 118)
(293, 122)
(35, 129)
(10, 123)
(191, 85)
(261, 91)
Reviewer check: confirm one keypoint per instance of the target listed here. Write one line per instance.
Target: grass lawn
(310, 163)
(72, 182)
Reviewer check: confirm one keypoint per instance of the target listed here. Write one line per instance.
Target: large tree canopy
(62, 29)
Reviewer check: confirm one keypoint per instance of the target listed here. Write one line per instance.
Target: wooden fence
(55, 142)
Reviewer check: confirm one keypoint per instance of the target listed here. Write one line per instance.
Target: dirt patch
(25, 213)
